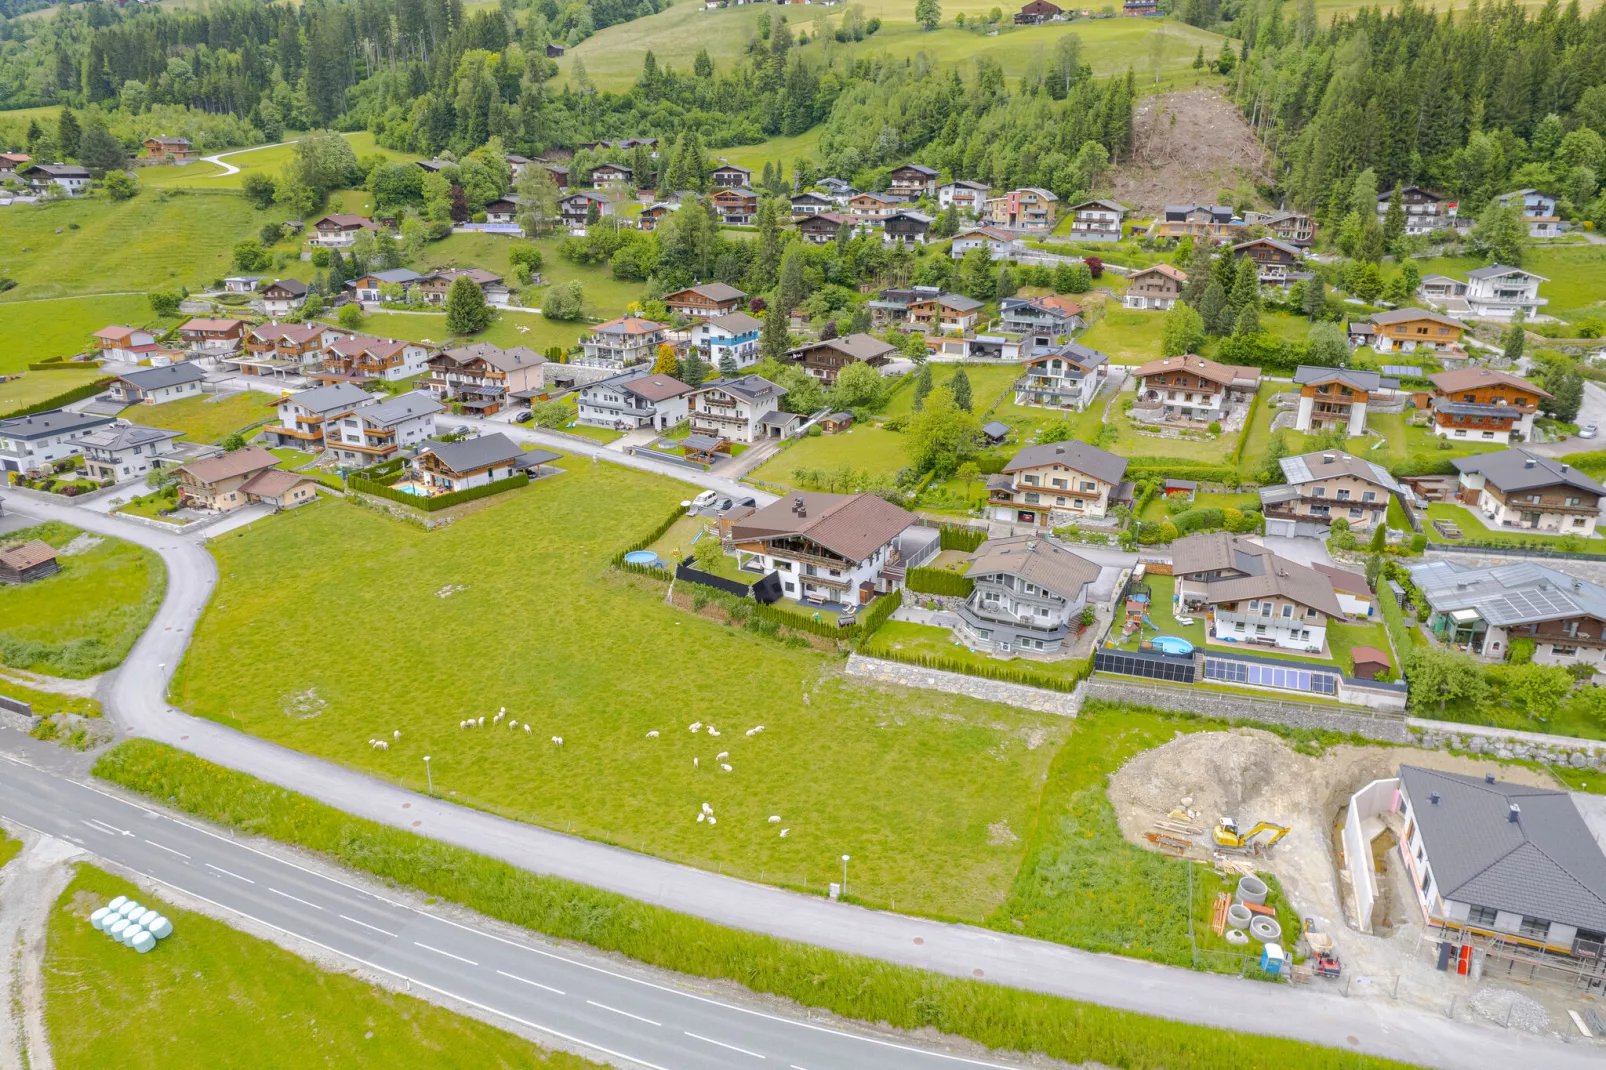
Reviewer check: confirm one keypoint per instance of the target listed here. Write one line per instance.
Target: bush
(939, 581)
(961, 538)
(440, 501)
(1199, 520)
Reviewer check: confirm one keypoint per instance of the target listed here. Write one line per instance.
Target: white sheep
(461, 725)
(784, 832)
(513, 724)
(694, 763)
(713, 731)
(653, 734)
(696, 725)
(713, 821)
(373, 742)
(775, 819)
(755, 730)
(707, 809)
(398, 734)
(725, 766)
(558, 741)
(527, 728)
(481, 722)
(722, 755)
(379, 744)
(701, 818)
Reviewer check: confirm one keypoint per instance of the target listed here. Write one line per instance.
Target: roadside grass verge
(45, 703)
(9, 848)
(209, 993)
(84, 619)
(849, 985)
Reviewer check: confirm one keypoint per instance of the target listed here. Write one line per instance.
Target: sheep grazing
(397, 734)
(722, 755)
(653, 734)
(461, 725)
(694, 763)
(481, 722)
(725, 766)
(713, 731)
(775, 819)
(707, 809)
(701, 818)
(755, 730)
(558, 741)
(513, 724)
(379, 744)
(713, 821)
(696, 725)
(784, 832)
(527, 729)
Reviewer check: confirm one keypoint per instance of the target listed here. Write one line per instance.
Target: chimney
(1059, 450)
(1513, 812)
(797, 504)
(1433, 797)
(1564, 468)
(1488, 778)
(1528, 462)
(1327, 458)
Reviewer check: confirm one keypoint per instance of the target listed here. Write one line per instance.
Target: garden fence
(439, 501)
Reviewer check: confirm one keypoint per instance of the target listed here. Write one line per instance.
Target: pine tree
(727, 364)
(960, 385)
(922, 387)
(667, 363)
(1247, 323)
(67, 134)
(1394, 218)
(466, 311)
(772, 339)
(1245, 287)
(1315, 302)
(1213, 310)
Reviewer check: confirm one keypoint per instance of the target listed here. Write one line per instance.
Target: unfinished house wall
(1361, 826)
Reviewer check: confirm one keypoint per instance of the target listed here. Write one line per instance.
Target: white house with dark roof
(1500, 292)
(447, 467)
(122, 451)
(371, 434)
(153, 386)
(1538, 211)
(1523, 491)
(964, 195)
(283, 296)
(1319, 488)
(1254, 596)
(1097, 220)
(621, 343)
(1057, 483)
(739, 410)
(1066, 378)
(734, 335)
(828, 549)
(1028, 596)
(634, 400)
(1336, 398)
(29, 443)
(306, 418)
(68, 177)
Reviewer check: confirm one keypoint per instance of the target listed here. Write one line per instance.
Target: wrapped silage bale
(115, 929)
(144, 942)
(132, 933)
(161, 928)
(117, 903)
(98, 918)
(146, 917)
(129, 909)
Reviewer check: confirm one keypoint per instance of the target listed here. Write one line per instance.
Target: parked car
(1588, 431)
(706, 498)
(524, 417)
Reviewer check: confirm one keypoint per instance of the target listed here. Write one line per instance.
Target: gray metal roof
(748, 387)
(158, 378)
(1038, 560)
(1355, 378)
(1524, 592)
(1077, 456)
(1543, 865)
(1494, 271)
(402, 407)
(474, 453)
(126, 436)
(330, 398)
(1517, 469)
(45, 424)
(995, 429)
(1312, 466)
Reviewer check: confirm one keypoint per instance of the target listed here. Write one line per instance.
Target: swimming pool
(642, 557)
(1172, 644)
(412, 488)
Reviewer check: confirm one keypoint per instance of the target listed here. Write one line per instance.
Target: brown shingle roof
(1344, 580)
(239, 463)
(1203, 367)
(27, 555)
(1161, 269)
(853, 525)
(274, 482)
(656, 387)
(1270, 576)
(202, 323)
(1473, 378)
(1037, 560)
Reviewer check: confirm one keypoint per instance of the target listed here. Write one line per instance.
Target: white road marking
(448, 954)
(627, 1014)
(169, 850)
(365, 925)
(722, 1044)
(526, 980)
(226, 873)
(293, 899)
(101, 826)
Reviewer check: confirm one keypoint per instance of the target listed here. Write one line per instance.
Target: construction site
(1248, 804)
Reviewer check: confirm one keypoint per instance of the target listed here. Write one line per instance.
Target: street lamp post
(844, 875)
(429, 775)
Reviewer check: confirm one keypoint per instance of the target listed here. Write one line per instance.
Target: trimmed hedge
(954, 537)
(439, 501)
(1159, 468)
(59, 365)
(647, 540)
(1197, 520)
(1424, 464)
(77, 393)
(1243, 435)
(939, 581)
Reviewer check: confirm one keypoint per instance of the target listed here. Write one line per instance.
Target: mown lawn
(208, 418)
(35, 387)
(906, 782)
(269, 160)
(1161, 591)
(862, 448)
(1473, 529)
(31, 331)
(208, 994)
(1577, 276)
(1128, 335)
(84, 619)
(988, 383)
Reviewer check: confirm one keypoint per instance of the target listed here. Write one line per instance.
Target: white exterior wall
(1471, 434)
(1545, 653)
(281, 306)
(132, 463)
(25, 456)
(1509, 513)
(171, 393)
(796, 586)
(1361, 826)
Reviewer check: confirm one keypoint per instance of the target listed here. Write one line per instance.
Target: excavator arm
(1277, 831)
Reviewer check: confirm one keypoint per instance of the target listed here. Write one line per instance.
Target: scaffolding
(1512, 957)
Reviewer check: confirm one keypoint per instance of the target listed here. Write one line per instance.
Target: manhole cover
(920, 939)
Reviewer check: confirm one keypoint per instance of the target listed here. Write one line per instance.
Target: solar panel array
(1402, 369)
(1536, 603)
(1149, 666)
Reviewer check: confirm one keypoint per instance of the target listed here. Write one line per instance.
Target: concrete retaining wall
(1360, 826)
(1210, 703)
(1041, 700)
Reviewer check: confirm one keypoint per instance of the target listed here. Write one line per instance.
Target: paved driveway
(1304, 550)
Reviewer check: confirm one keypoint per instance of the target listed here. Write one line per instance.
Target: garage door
(1294, 529)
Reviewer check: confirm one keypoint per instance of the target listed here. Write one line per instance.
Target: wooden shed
(27, 561)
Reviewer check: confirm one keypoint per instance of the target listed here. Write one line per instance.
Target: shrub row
(849, 985)
(1009, 672)
(1197, 520)
(439, 501)
(1424, 464)
(59, 365)
(1162, 469)
(1243, 436)
(651, 537)
(959, 537)
(66, 397)
(939, 581)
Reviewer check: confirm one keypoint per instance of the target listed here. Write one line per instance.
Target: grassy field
(1473, 528)
(269, 159)
(30, 331)
(503, 331)
(82, 620)
(218, 993)
(1129, 336)
(1129, 443)
(906, 783)
(139, 245)
(987, 382)
(35, 387)
(1577, 274)
(209, 418)
(863, 448)
(785, 150)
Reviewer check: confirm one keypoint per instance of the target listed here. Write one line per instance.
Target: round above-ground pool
(1172, 644)
(642, 557)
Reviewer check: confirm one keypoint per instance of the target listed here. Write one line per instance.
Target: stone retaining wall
(1477, 739)
(1041, 700)
(1209, 703)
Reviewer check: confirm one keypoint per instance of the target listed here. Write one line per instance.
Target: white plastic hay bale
(130, 934)
(146, 918)
(129, 908)
(144, 942)
(116, 903)
(161, 928)
(98, 918)
(115, 929)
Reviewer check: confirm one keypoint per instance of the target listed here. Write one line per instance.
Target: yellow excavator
(1227, 835)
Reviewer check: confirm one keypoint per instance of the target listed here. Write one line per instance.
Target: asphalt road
(135, 697)
(633, 1020)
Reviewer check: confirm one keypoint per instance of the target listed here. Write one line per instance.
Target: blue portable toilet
(1272, 959)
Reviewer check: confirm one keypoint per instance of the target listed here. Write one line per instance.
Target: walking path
(135, 696)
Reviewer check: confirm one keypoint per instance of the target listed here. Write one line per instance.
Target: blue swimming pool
(413, 489)
(642, 557)
(1172, 644)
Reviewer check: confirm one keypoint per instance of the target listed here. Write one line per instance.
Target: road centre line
(627, 1014)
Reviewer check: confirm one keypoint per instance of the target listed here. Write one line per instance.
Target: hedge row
(1243, 436)
(651, 537)
(1159, 468)
(64, 365)
(439, 501)
(958, 537)
(67, 397)
(1424, 464)
(853, 986)
(939, 581)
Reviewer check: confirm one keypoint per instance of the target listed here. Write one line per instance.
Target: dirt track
(1189, 146)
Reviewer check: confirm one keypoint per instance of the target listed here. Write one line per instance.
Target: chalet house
(559, 173)
(825, 358)
(1209, 222)
(729, 176)
(1425, 211)
(152, 386)
(129, 344)
(280, 489)
(218, 482)
(612, 175)
(833, 549)
(340, 230)
(1275, 260)
(434, 288)
(176, 149)
(1516, 489)
(10, 162)
(1030, 208)
(809, 203)
(655, 213)
(736, 206)
(1332, 398)
(303, 416)
(446, 467)
(1440, 288)
(212, 336)
(1292, 228)
(1502, 866)
(1481, 610)
(1252, 595)
(1097, 220)
(964, 195)
(554, 51)
(284, 348)
(1500, 292)
(1038, 11)
(734, 336)
(739, 410)
(1028, 596)
(1158, 287)
(1056, 484)
(25, 562)
(634, 400)
(575, 209)
(380, 430)
(943, 313)
(1408, 329)
(999, 243)
(906, 225)
(1041, 321)
(822, 228)
(836, 189)
(127, 451)
(914, 180)
(867, 207)
(1319, 488)
(891, 306)
(360, 358)
(28, 444)
(69, 178)
(1484, 405)
(503, 210)
(369, 288)
(1066, 378)
(705, 301)
(1538, 211)
(283, 296)
(622, 342)
(480, 377)
(1191, 387)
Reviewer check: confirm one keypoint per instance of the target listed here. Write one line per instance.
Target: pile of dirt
(1187, 147)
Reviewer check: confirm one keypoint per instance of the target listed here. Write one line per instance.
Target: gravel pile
(1496, 1003)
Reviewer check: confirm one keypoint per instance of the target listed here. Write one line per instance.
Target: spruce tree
(67, 133)
(1245, 286)
(922, 387)
(1394, 218)
(960, 385)
(466, 311)
(1213, 309)
(1315, 298)
(727, 364)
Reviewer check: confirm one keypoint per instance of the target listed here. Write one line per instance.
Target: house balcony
(295, 432)
(987, 618)
(1252, 619)
(713, 416)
